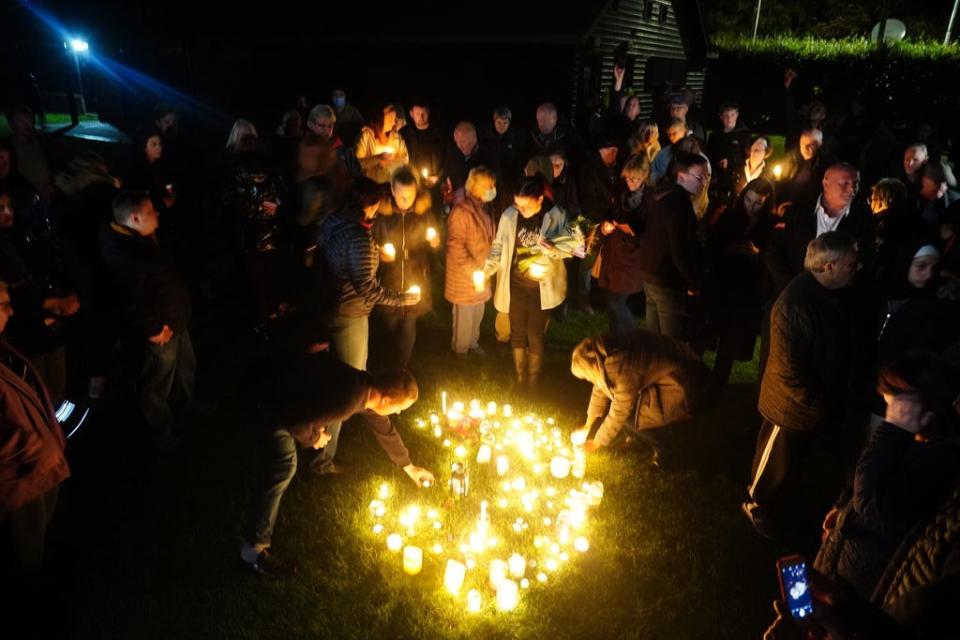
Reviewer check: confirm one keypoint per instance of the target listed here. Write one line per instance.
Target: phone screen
(796, 589)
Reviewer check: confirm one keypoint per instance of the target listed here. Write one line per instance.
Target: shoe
(761, 523)
(331, 470)
(270, 565)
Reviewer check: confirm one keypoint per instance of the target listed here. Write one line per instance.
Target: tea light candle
(453, 576)
(498, 573)
(478, 281)
(517, 565)
(415, 289)
(412, 560)
(390, 250)
(491, 408)
(425, 172)
(537, 271)
(507, 411)
(578, 438)
(581, 544)
(777, 171)
(508, 595)
(503, 465)
(443, 402)
(431, 232)
(560, 467)
(483, 454)
(394, 542)
(474, 601)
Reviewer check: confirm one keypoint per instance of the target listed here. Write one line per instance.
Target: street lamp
(78, 47)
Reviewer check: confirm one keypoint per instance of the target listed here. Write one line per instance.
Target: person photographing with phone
(302, 396)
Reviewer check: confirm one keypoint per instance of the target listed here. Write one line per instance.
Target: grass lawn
(149, 549)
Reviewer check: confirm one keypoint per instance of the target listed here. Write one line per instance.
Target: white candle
(777, 172)
(474, 601)
(491, 408)
(390, 250)
(498, 573)
(483, 454)
(517, 565)
(581, 544)
(425, 172)
(415, 289)
(479, 282)
(560, 467)
(431, 234)
(537, 271)
(578, 438)
(507, 411)
(579, 468)
(508, 595)
(412, 560)
(453, 576)
(394, 542)
(503, 465)
(443, 402)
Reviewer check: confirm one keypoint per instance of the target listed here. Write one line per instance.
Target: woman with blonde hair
(240, 130)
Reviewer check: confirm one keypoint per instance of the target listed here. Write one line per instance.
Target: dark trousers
(668, 310)
(620, 316)
(22, 538)
(528, 322)
(166, 381)
(400, 330)
(278, 453)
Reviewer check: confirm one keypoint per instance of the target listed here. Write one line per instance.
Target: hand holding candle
(388, 252)
(479, 281)
(433, 238)
(777, 172)
(537, 271)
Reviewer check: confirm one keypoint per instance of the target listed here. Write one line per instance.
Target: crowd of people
(333, 219)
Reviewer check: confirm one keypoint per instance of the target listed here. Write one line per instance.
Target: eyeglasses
(699, 177)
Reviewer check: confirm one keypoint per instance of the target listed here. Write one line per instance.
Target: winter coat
(620, 251)
(671, 252)
(407, 231)
(469, 236)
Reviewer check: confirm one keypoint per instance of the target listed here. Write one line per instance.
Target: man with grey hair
(466, 154)
(805, 388)
(802, 168)
(322, 122)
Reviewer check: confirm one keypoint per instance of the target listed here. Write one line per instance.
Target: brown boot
(520, 365)
(534, 364)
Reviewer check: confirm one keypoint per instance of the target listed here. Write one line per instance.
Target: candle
(517, 565)
(460, 451)
(394, 542)
(390, 250)
(479, 282)
(579, 468)
(503, 465)
(578, 438)
(453, 576)
(777, 171)
(537, 271)
(443, 402)
(431, 234)
(415, 289)
(412, 560)
(425, 172)
(474, 600)
(491, 408)
(560, 467)
(594, 493)
(581, 544)
(384, 491)
(483, 454)
(498, 573)
(377, 529)
(508, 595)
(507, 411)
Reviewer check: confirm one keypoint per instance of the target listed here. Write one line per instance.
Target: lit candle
(453, 576)
(431, 234)
(491, 408)
(578, 438)
(443, 402)
(503, 465)
(777, 171)
(389, 250)
(581, 544)
(478, 281)
(537, 271)
(594, 493)
(460, 451)
(377, 529)
(508, 594)
(394, 542)
(474, 600)
(415, 289)
(560, 467)
(412, 560)
(507, 411)
(579, 468)
(517, 565)
(425, 172)
(498, 573)
(384, 491)
(483, 454)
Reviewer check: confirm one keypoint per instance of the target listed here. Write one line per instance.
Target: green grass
(51, 119)
(810, 48)
(670, 555)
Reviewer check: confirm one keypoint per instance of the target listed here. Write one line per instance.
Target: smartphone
(794, 586)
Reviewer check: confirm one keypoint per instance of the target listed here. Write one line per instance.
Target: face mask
(489, 195)
(339, 103)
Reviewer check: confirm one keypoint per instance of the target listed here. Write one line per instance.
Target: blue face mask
(339, 103)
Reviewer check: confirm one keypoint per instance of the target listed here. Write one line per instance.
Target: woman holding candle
(527, 294)
(405, 222)
(380, 148)
(469, 236)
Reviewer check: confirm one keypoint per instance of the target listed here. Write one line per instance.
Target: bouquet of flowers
(577, 240)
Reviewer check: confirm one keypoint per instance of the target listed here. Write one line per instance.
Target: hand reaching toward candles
(323, 438)
(421, 476)
(590, 446)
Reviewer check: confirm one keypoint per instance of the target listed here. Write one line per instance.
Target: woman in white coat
(531, 278)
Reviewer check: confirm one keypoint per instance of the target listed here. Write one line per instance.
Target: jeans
(279, 464)
(620, 316)
(528, 322)
(584, 276)
(466, 326)
(400, 329)
(667, 310)
(165, 383)
(350, 338)
(23, 535)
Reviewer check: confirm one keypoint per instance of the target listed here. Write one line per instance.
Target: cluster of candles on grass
(493, 547)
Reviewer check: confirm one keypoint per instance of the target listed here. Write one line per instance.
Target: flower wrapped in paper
(576, 241)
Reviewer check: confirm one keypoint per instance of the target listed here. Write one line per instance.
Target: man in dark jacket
(598, 181)
(302, 398)
(670, 260)
(807, 378)
(802, 169)
(835, 209)
(154, 309)
(465, 154)
(32, 464)
(505, 143)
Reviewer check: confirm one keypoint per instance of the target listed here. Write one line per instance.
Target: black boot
(520, 365)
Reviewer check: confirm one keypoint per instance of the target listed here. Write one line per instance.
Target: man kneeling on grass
(309, 393)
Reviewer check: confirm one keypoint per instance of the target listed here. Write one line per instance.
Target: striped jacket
(352, 260)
